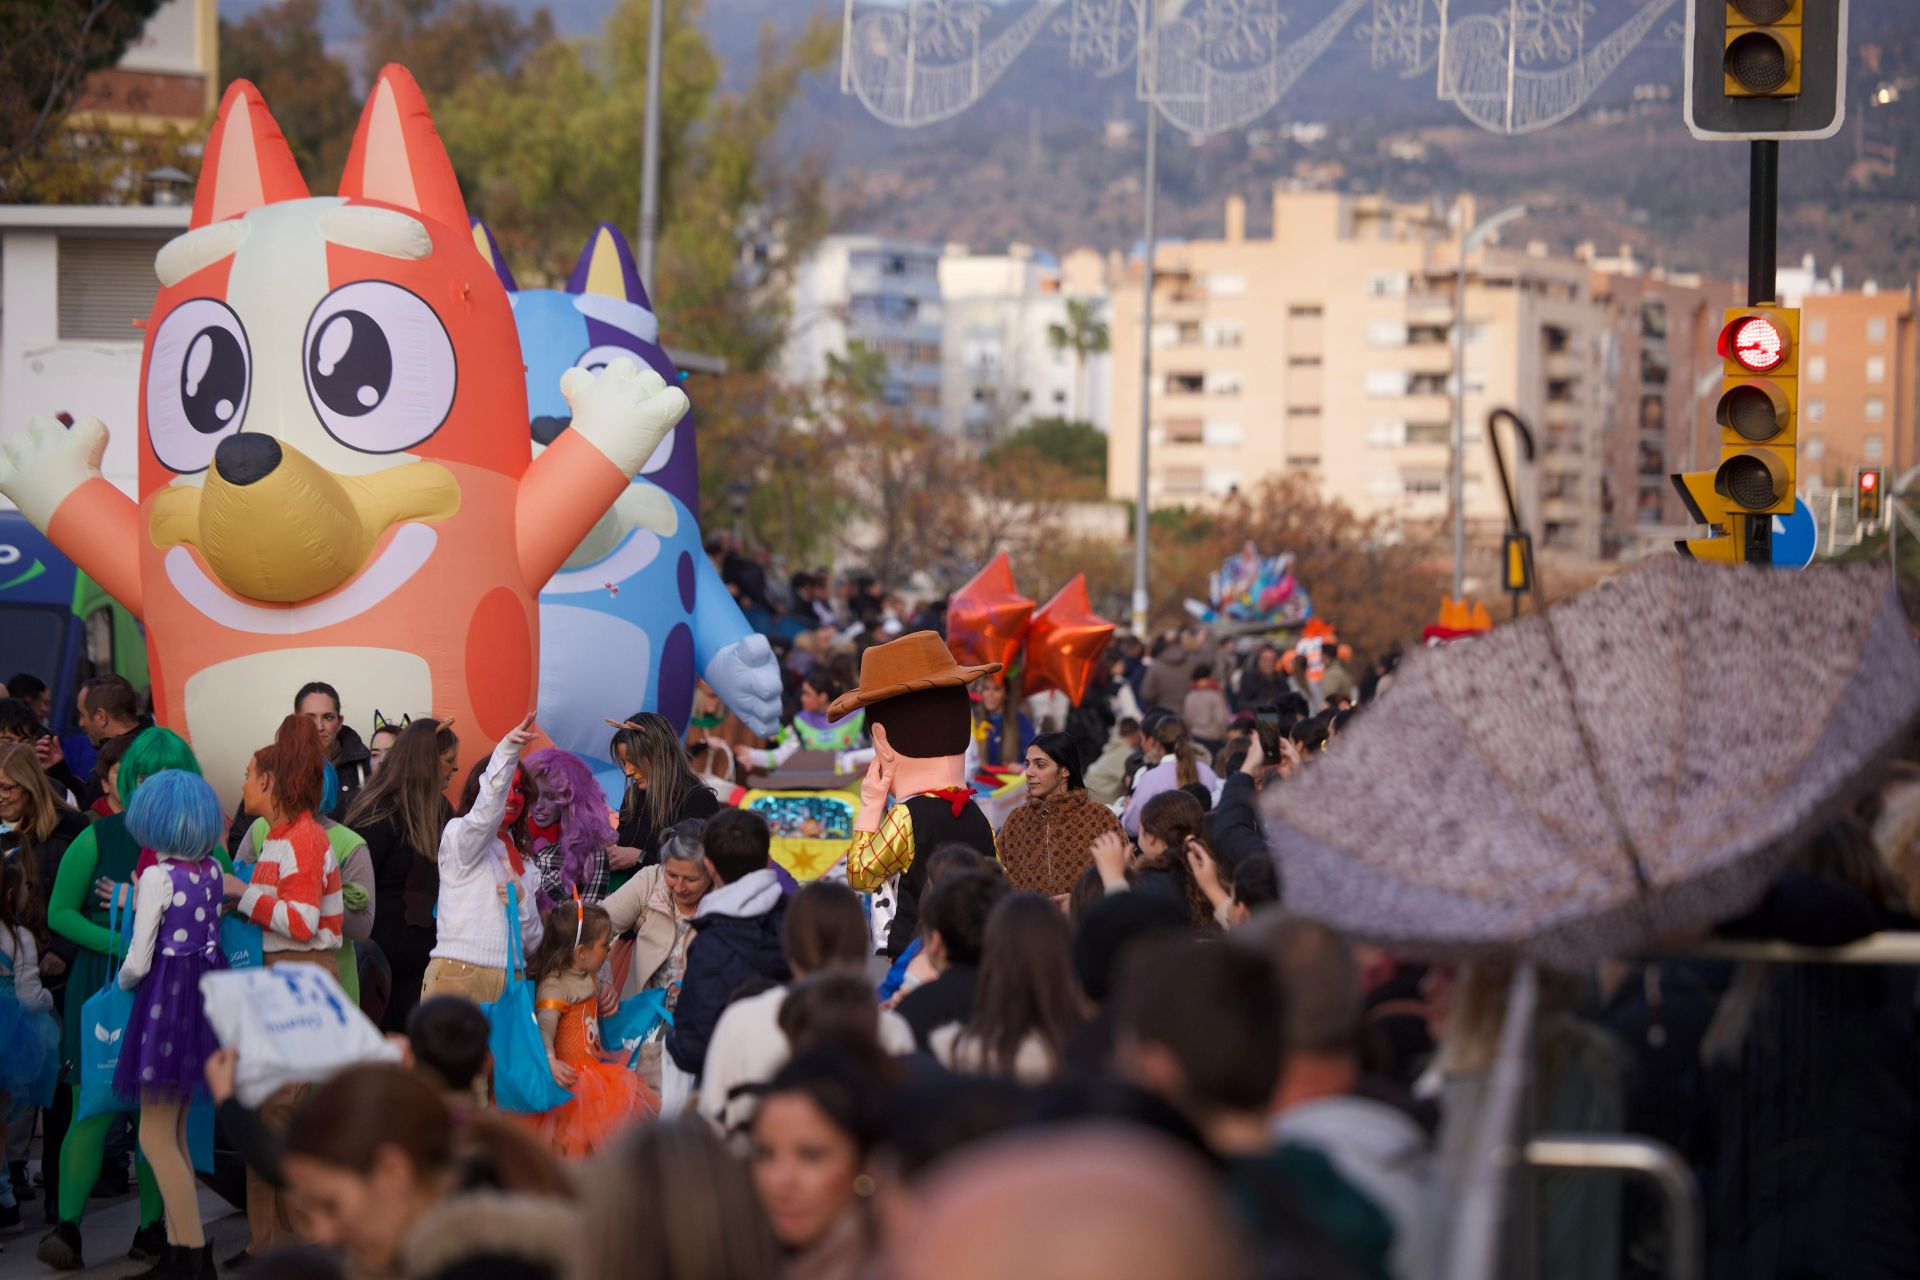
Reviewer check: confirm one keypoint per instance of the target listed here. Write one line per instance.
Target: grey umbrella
(1633, 763)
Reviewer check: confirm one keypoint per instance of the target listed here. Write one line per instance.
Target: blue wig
(176, 813)
(329, 789)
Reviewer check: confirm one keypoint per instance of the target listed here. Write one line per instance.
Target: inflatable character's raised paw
(624, 411)
(41, 466)
(746, 675)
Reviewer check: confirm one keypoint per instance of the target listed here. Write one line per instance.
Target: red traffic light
(1755, 343)
(1868, 479)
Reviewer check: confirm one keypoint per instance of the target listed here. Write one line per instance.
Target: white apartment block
(1001, 370)
(885, 293)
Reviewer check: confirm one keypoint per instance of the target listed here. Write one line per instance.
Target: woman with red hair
(294, 897)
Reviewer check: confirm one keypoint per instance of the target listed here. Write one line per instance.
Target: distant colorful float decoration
(1458, 621)
(811, 829)
(1253, 589)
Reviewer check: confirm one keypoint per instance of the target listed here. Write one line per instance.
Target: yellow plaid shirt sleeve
(875, 855)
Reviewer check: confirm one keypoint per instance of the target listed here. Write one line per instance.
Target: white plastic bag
(291, 1023)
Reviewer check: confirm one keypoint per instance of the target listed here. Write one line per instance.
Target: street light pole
(1141, 507)
(650, 147)
(1468, 243)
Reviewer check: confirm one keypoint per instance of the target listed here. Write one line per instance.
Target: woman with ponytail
(295, 898)
(1171, 762)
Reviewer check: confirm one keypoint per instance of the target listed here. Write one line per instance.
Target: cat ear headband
(380, 722)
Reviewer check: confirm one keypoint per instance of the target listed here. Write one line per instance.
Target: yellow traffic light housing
(1867, 482)
(1763, 50)
(1758, 417)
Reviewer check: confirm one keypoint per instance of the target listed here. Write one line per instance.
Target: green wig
(155, 749)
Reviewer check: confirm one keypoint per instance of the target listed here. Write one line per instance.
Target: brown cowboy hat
(907, 665)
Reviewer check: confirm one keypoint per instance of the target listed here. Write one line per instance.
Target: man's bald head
(1087, 1202)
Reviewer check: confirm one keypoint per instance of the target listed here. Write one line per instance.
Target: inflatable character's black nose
(245, 457)
(546, 430)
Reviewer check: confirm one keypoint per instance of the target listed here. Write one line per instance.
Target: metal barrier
(1658, 1162)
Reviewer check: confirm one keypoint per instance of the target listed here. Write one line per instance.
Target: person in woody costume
(915, 697)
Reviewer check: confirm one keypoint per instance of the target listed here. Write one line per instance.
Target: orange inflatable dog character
(335, 473)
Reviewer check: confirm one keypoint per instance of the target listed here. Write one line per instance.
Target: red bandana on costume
(955, 796)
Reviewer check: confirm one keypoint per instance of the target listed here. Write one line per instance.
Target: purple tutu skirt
(168, 1039)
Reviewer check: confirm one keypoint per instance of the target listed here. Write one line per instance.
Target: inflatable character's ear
(397, 156)
(247, 163)
(490, 250)
(606, 267)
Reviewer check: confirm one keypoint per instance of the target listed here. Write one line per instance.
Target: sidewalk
(106, 1232)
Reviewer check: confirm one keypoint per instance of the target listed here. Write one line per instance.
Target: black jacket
(736, 941)
(948, 998)
(1235, 822)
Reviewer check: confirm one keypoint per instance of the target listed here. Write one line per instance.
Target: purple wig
(572, 801)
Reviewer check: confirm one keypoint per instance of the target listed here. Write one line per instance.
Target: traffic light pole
(1763, 256)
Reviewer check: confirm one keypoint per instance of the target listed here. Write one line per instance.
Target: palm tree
(1084, 334)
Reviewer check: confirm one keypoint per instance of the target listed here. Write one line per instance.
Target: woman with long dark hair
(1026, 1005)
(1047, 842)
(400, 813)
(819, 1123)
(662, 790)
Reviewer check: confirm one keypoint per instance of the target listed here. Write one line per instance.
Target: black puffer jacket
(736, 941)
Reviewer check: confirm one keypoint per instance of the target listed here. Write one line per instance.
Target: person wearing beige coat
(658, 904)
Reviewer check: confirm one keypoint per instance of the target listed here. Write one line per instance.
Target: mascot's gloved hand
(40, 466)
(624, 412)
(746, 675)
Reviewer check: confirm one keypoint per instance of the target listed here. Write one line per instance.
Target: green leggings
(80, 1157)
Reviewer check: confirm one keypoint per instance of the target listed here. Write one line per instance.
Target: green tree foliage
(550, 147)
(1085, 335)
(279, 48)
(1076, 450)
(446, 43)
(48, 48)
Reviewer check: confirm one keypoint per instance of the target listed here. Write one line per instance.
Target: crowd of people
(1096, 1030)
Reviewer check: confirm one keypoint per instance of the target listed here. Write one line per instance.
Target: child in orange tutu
(607, 1096)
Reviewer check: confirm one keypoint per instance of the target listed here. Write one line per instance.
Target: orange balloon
(987, 618)
(1067, 637)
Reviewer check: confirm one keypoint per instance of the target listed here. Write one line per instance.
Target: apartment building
(169, 75)
(1858, 369)
(886, 293)
(1001, 370)
(1327, 348)
(1660, 381)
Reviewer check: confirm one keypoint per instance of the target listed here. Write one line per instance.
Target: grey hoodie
(1386, 1157)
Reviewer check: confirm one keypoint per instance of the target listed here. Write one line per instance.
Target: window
(1876, 329)
(1816, 368)
(1387, 284)
(1303, 459)
(1876, 368)
(1226, 434)
(1420, 486)
(1430, 433)
(1874, 449)
(1876, 409)
(1224, 383)
(1386, 382)
(1386, 435)
(1222, 285)
(1059, 397)
(1555, 338)
(1386, 333)
(1817, 329)
(1303, 362)
(103, 284)
(1186, 384)
(1815, 410)
(1185, 431)
(1303, 411)
(1433, 384)
(1188, 334)
(1303, 313)
(1815, 446)
(1182, 479)
(1560, 391)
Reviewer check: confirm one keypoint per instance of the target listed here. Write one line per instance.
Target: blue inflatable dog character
(637, 613)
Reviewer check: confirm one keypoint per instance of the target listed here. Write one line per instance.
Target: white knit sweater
(471, 925)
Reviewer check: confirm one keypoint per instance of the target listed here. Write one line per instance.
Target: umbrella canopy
(1636, 762)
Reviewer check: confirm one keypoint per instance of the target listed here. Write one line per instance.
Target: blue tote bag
(103, 1029)
(522, 1080)
(240, 939)
(634, 1021)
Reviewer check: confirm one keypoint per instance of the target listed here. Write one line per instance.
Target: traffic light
(1759, 69)
(1758, 414)
(1866, 495)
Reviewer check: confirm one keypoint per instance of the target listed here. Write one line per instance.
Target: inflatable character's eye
(595, 361)
(380, 368)
(197, 382)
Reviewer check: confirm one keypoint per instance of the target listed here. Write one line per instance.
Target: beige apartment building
(1857, 384)
(1327, 348)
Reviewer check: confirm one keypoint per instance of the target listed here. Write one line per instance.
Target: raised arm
(618, 419)
(470, 837)
(53, 476)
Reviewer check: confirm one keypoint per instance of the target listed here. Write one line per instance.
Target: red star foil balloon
(987, 618)
(1067, 637)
